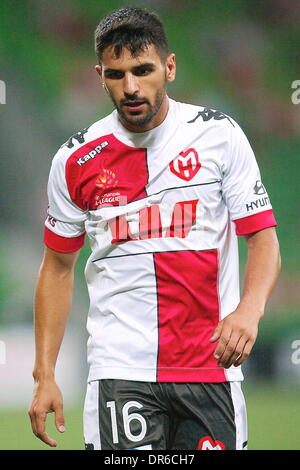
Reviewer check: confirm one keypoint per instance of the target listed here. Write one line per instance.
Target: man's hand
(238, 331)
(236, 334)
(47, 398)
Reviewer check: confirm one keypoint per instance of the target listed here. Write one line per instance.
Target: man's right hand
(52, 303)
(47, 398)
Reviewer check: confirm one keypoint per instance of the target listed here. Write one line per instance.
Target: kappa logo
(208, 114)
(259, 188)
(92, 154)
(79, 136)
(208, 443)
(186, 165)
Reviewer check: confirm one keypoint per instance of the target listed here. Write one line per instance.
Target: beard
(136, 119)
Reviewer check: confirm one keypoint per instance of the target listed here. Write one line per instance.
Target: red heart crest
(186, 165)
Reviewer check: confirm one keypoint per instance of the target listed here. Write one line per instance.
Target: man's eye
(143, 71)
(114, 75)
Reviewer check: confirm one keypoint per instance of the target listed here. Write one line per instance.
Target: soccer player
(162, 189)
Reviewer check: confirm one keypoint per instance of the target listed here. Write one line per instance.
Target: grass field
(273, 415)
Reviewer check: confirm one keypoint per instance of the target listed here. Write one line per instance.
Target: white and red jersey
(162, 210)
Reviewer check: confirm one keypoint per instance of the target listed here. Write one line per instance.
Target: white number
(127, 418)
(295, 95)
(296, 354)
(112, 406)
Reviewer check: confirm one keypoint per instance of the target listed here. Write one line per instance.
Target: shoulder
(94, 131)
(83, 142)
(216, 125)
(200, 115)
(85, 136)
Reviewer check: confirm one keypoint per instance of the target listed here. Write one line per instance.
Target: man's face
(137, 86)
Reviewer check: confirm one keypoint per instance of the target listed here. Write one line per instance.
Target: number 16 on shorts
(129, 415)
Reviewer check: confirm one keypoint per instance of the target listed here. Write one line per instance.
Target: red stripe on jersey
(255, 222)
(62, 244)
(106, 172)
(188, 313)
(150, 225)
(183, 218)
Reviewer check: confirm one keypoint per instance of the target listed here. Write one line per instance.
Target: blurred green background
(239, 57)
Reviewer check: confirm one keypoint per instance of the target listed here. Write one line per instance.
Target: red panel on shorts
(116, 175)
(188, 313)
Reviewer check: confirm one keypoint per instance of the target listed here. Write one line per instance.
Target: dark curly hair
(133, 28)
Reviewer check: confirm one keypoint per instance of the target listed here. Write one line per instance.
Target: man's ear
(170, 68)
(98, 69)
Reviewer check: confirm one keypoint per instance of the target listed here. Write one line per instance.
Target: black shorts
(122, 414)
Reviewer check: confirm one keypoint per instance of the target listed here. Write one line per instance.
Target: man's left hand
(236, 334)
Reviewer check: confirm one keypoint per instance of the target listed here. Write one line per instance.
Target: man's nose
(130, 85)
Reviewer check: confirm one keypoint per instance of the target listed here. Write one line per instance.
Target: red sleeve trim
(62, 244)
(255, 222)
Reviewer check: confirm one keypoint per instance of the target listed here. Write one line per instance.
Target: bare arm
(238, 331)
(53, 297)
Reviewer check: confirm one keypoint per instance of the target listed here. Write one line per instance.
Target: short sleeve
(65, 223)
(244, 194)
